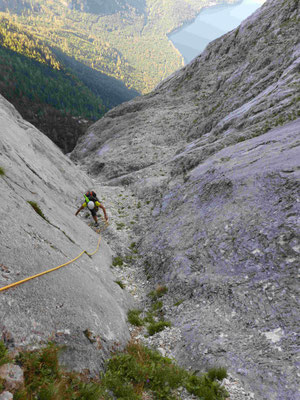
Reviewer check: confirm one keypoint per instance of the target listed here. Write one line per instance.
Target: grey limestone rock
(59, 306)
(6, 395)
(12, 375)
(215, 151)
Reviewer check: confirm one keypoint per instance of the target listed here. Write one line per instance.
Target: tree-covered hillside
(53, 92)
(125, 39)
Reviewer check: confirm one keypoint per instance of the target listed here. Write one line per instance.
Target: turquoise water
(210, 24)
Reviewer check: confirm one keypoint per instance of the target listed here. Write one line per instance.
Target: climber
(93, 204)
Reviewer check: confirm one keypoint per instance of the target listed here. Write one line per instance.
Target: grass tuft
(121, 284)
(37, 209)
(157, 327)
(178, 302)
(4, 358)
(217, 373)
(2, 171)
(117, 262)
(134, 317)
(157, 306)
(130, 374)
(205, 388)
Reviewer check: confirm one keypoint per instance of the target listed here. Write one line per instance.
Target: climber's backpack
(90, 196)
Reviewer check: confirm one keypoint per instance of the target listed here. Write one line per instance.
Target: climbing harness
(54, 269)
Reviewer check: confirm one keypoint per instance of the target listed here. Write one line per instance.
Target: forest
(124, 39)
(65, 63)
(53, 92)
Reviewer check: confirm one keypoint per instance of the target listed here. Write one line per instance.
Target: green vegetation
(49, 89)
(134, 317)
(130, 44)
(204, 387)
(157, 305)
(2, 171)
(159, 326)
(130, 374)
(178, 303)
(37, 209)
(154, 319)
(44, 378)
(217, 374)
(117, 262)
(121, 284)
(4, 358)
(141, 370)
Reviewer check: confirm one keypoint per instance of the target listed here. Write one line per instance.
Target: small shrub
(2, 171)
(121, 284)
(204, 388)
(129, 374)
(157, 305)
(149, 318)
(117, 262)
(134, 317)
(157, 327)
(218, 373)
(37, 209)
(4, 358)
(121, 388)
(45, 380)
(129, 258)
(140, 369)
(40, 367)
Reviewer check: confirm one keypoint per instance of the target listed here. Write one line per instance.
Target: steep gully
(125, 211)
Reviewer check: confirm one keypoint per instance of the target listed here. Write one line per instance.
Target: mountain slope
(239, 87)
(124, 39)
(57, 94)
(213, 155)
(62, 305)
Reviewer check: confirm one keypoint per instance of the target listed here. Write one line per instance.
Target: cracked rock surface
(213, 157)
(59, 306)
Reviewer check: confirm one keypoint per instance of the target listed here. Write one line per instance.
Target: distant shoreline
(190, 21)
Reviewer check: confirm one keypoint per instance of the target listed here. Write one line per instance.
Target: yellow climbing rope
(54, 269)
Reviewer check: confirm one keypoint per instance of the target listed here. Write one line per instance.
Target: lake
(211, 23)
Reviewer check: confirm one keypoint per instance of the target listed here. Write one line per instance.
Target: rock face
(82, 296)
(213, 153)
(241, 86)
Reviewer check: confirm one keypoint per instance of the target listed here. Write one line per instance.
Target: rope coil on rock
(55, 268)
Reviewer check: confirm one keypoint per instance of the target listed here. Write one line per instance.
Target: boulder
(6, 396)
(12, 375)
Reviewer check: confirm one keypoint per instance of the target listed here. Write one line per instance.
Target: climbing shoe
(96, 224)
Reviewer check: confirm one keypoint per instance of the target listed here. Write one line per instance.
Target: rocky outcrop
(63, 305)
(12, 375)
(213, 154)
(241, 86)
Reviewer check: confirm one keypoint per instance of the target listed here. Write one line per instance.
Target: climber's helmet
(91, 205)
